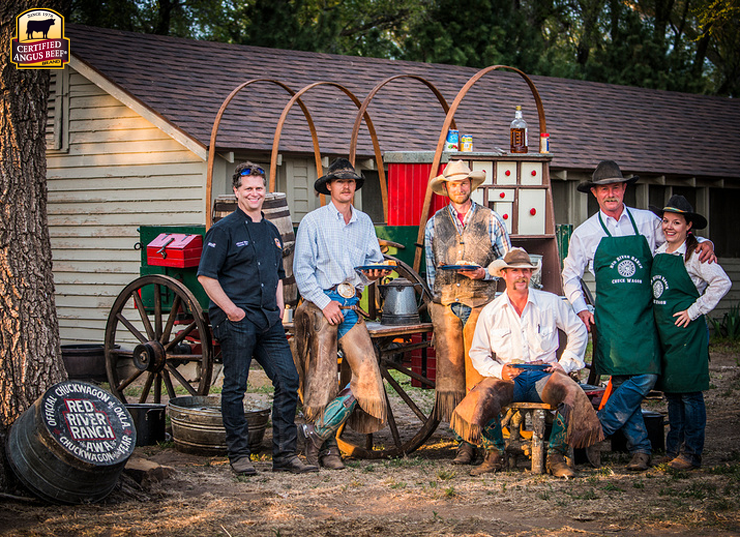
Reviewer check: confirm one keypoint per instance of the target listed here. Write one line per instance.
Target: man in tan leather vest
(463, 232)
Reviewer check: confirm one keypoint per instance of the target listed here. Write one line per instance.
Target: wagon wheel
(147, 341)
(409, 409)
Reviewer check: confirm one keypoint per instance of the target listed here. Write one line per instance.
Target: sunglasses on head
(252, 171)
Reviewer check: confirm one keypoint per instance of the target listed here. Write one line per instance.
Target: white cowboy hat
(514, 258)
(457, 170)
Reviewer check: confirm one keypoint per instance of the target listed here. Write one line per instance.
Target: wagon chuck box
(174, 250)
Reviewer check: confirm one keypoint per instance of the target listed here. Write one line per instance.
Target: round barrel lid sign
(89, 423)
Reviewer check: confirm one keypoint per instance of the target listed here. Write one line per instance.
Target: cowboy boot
(330, 456)
(465, 454)
(312, 443)
(639, 463)
(493, 462)
(557, 466)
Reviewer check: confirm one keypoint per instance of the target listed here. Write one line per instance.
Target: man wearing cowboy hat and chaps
(331, 242)
(514, 348)
(463, 231)
(617, 245)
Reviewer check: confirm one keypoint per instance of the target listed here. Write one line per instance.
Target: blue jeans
(623, 410)
(687, 417)
(240, 341)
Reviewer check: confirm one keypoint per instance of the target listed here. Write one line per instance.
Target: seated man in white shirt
(514, 348)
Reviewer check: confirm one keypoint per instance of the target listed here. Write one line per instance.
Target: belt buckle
(346, 290)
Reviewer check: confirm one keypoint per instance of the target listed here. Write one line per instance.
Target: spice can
(453, 140)
(466, 143)
(544, 143)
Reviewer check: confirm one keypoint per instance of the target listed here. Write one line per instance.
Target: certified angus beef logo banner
(39, 41)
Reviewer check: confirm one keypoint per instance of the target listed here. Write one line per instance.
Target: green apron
(685, 350)
(627, 342)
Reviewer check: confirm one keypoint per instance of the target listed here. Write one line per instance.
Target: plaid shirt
(327, 251)
(500, 241)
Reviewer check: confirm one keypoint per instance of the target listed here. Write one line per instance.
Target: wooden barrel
(197, 425)
(72, 444)
(276, 211)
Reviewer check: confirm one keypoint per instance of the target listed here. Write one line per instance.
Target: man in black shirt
(241, 270)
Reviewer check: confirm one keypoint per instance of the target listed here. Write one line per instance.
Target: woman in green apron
(684, 290)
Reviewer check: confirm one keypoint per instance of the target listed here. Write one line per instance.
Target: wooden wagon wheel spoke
(147, 387)
(406, 371)
(131, 328)
(402, 394)
(167, 332)
(180, 336)
(171, 370)
(143, 354)
(144, 317)
(157, 312)
(392, 424)
(168, 382)
(123, 385)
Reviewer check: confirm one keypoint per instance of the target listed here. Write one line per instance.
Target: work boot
(639, 463)
(557, 466)
(665, 459)
(243, 466)
(465, 454)
(312, 443)
(492, 462)
(682, 463)
(294, 465)
(331, 459)
(593, 455)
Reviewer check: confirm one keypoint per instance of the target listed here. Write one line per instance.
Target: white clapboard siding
(117, 172)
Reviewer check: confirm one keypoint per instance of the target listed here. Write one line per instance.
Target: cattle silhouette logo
(39, 41)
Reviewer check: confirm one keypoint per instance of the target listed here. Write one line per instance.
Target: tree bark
(30, 360)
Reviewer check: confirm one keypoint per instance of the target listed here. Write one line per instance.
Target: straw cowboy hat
(514, 258)
(341, 168)
(606, 173)
(680, 205)
(457, 170)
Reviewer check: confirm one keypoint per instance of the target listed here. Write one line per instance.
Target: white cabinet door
(486, 166)
(504, 209)
(531, 212)
(505, 173)
(531, 173)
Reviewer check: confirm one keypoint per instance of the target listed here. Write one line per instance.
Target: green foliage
(729, 326)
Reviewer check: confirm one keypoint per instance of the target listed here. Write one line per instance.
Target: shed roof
(185, 81)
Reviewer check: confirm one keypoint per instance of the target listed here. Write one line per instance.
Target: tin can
(466, 143)
(453, 140)
(544, 143)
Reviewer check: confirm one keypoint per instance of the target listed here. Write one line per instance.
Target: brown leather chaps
(314, 347)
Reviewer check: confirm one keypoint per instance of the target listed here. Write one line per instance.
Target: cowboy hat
(341, 168)
(514, 258)
(680, 205)
(606, 173)
(457, 170)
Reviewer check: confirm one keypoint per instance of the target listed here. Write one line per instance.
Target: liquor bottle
(518, 132)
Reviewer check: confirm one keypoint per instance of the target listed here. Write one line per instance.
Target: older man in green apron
(617, 245)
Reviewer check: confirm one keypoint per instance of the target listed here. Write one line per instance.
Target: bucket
(149, 420)
(276, 211)
(654, 423)
(197, 426)
(85, 362)
(71, 445)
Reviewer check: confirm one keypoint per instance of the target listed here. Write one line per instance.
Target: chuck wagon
(158, 341)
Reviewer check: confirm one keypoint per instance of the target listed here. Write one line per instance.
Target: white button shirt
(502, 336)
(586, 238)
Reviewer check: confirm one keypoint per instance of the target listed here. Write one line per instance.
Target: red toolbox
(174, 250)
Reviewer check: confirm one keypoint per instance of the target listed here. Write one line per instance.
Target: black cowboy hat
(606, 173)
(680, 205)
(341, 168)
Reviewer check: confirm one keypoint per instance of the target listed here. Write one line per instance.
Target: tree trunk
(30, 360)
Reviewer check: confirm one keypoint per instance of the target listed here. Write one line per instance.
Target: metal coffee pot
(399, 303)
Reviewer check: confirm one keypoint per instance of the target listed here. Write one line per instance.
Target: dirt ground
(421, 494)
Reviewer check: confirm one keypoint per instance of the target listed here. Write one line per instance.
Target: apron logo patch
(626, 266)
(242, 243)
(660, 285)
(277, 243)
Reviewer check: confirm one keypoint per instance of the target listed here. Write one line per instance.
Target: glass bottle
(518, 132)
